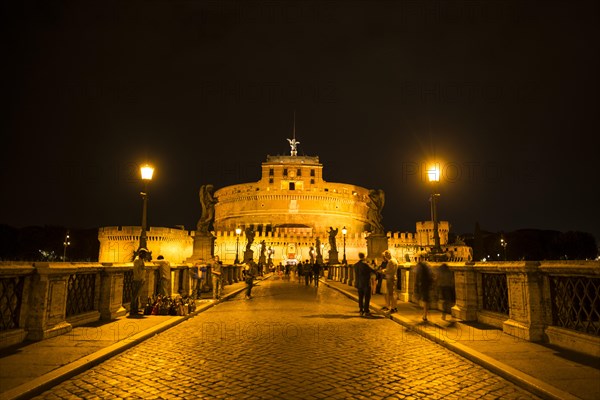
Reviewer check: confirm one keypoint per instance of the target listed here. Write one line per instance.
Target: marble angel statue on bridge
(207, 201)
(377, 200)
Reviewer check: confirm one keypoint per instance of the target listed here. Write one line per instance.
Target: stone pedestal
(333, 257)
(111, 294)
(377, 243)
(526, 304)
(49, 293)
(204, 245)
(248, 255)
(465, 284)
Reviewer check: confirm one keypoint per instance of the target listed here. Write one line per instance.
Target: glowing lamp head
(344, 231)
(238, 231)
(433, 173)
(147, 172)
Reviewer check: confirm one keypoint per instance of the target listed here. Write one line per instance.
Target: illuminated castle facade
(292, 196)
(288, 208)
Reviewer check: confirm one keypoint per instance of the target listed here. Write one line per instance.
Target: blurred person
(251, 271)
(217, 278)
(139, 278)
(423, 281)
(446, 287)
(389, 273)
(164, 268)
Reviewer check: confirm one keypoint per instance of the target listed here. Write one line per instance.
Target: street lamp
(238, 231)
(66, 244)
(146, 171)
(503, 243)
(344, 232)
(433, 173)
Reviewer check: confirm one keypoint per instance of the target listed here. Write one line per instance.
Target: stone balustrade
(42, 300)
(555, 302)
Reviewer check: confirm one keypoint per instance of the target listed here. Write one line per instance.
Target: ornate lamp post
(146, 171)
(433, 173)
(503, 243)
(344, 232)
(66, 244)
(238, 232)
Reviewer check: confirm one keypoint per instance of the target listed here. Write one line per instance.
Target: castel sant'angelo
(291, 214)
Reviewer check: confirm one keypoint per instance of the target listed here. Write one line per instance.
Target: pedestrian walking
(195, 279)
(316, 271)
(307, 272)
(380, 276)
(139, 278)
(389, 273)
(423, 281)
(446, 287)
(373, 277)
(363, 271)
(217, 278)
(164, 268)
(201, 277)
(251, 271)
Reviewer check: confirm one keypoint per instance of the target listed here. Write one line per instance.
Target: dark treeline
(46, 243)
(532, 245)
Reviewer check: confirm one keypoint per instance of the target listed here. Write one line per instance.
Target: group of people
(367, 277)
(311, 272)
(250, 272)
(366, 282)
(139, 278)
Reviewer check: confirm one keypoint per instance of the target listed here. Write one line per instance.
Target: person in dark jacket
(251, 271)
(316, 271)
(423, 282)
(445, 283)
(363, 272)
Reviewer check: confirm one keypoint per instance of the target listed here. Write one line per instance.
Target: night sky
(503, 93)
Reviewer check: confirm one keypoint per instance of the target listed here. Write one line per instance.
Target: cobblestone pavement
(290, 341)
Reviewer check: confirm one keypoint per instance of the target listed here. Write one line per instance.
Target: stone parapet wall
(550, 302)
(534, 305)
(50, 299)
